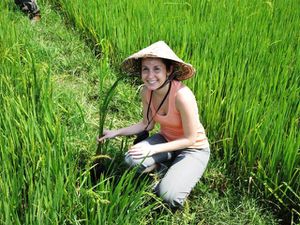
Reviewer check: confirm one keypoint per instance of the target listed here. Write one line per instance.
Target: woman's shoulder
(184, 95)
(183, 90)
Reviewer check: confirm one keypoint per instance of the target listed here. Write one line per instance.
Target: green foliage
(45, 130)
(49, 82)
(247, 83)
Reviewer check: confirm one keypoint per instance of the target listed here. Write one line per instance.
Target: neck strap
(169, 79)
(160, 105)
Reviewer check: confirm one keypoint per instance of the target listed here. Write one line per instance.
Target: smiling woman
(181, 142)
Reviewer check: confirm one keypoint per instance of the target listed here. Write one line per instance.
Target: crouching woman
(181, 142)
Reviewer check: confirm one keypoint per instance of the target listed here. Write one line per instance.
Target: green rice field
(57, 94)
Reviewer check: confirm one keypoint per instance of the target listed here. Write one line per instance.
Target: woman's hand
(108, 134)
(141, 151)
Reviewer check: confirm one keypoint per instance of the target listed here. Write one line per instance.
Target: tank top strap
(175, 86)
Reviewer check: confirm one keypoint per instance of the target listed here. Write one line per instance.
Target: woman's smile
(154, 72)
(151, 81)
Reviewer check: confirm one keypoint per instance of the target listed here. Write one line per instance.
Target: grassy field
(247, 83)
(51, 84)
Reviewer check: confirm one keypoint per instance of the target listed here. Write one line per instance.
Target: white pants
(187, 167)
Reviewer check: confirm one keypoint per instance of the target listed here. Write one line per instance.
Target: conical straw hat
(159, 49)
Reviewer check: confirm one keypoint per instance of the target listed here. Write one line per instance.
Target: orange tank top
(171, 124)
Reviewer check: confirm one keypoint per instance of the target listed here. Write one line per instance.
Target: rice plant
(40, 182)
(246, 54)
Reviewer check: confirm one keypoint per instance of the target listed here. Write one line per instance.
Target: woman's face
(154, 72)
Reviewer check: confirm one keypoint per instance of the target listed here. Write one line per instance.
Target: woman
(181, 141)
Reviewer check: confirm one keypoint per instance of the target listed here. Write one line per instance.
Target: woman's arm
(186, 104)
(133, 129)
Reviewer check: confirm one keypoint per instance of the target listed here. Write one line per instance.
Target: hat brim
(182, 70)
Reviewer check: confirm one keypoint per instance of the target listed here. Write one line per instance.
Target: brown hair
(168, 63)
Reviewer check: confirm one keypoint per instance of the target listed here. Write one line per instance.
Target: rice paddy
(246, 54)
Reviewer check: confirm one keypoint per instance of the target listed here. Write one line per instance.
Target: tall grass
(40, 182)
(246, 54)
(32, 138)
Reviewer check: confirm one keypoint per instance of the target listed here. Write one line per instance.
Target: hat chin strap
(168, 80)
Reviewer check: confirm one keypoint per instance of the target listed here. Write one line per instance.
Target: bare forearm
(173, 145)
(131, 130)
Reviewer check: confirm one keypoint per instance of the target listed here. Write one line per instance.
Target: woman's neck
(162, 91)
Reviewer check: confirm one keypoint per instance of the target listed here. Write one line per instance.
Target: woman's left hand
(141, 151)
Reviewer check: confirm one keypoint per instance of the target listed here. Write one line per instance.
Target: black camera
(141, 136)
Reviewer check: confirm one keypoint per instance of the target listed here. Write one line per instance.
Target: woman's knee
(131, 162)
(170, 195)
(142, 166)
